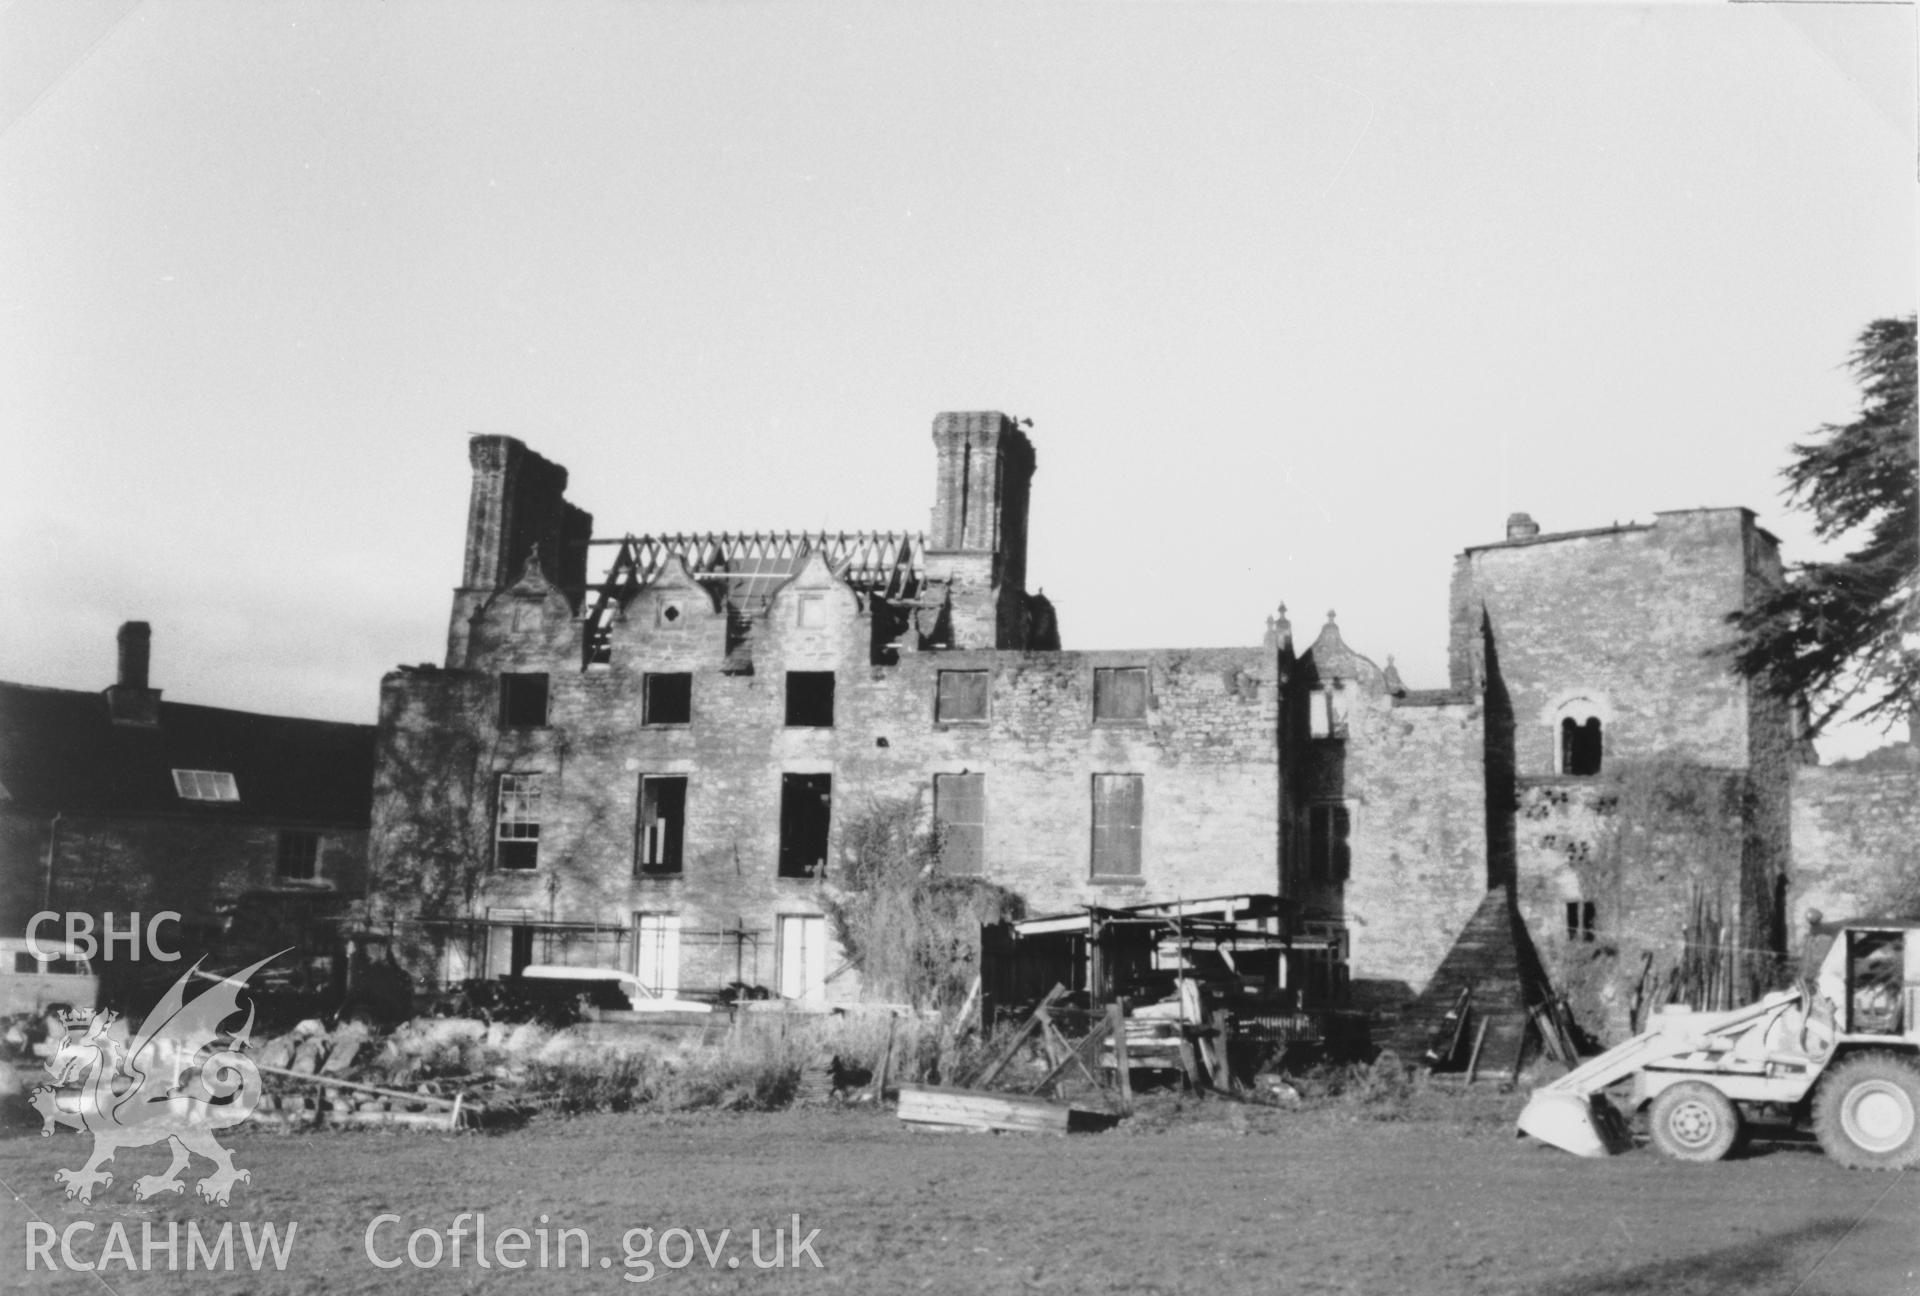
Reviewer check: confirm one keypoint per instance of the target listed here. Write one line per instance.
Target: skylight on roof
(205, 785)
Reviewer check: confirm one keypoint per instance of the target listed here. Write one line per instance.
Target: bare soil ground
(1207, 1198)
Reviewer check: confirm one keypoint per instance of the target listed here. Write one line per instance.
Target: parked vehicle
(610, 990)
(1840, 1053)
(35, 988)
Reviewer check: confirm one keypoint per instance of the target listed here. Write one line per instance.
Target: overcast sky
(1301, 300)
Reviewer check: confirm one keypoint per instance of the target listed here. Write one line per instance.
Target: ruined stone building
(118, 802)
(645, 750)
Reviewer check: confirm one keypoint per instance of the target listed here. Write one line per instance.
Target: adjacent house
(116, 802)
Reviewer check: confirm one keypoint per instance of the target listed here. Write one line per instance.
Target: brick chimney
(130, 701)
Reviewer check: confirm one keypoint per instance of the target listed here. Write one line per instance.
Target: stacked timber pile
(979, 1106)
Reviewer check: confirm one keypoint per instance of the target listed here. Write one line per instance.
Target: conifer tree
(1845, 633)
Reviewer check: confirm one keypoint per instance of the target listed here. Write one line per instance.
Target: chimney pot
(1521, 526)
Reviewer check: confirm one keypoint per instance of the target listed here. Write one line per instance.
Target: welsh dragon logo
(178, 1080)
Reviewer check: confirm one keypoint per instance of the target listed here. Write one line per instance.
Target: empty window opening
(299, 857)
(657, 952)
(806, 803)
(1580, 920)
(205, 785)
(962, 696)
(1329, 848)
(1580, 746)
(802, 952)
(517, 822)
(667, 699)
(813, 611)
(1120, 693)
(1117, 803)
(663, 824)
(960, 808)
(523, 701)
(810, 699)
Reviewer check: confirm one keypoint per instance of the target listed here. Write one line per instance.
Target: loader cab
(1868, 971)
(1882, 981)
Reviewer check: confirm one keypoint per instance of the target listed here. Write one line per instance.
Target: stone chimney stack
(1521, 526)
(978, 544)
(518, 508)
(130, 701)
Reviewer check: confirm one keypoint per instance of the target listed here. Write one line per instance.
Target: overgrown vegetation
(1663, 850)
(911, 930)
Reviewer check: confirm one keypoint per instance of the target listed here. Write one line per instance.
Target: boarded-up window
(1119, 693)
(802, 954)
(523, 701)
(517, 822)
(662, 825)
(1329, 825)
(806, 803)
(657, 952)
(960, 808)
(1117, 801)
(963, 696)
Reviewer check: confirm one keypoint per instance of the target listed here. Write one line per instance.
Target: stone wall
(1206, 749)
(1856, 839)
(1407, 769)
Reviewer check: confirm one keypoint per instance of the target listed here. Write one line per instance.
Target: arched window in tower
(1580, 746)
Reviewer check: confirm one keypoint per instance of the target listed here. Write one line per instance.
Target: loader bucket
(1587, 1126)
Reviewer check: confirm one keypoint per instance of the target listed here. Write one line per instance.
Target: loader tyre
(1692, 1121)
(1867, 1112)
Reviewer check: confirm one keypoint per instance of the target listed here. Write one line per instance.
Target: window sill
(1120, 724)
(941, 726)
(1117, 880)
(666, 724)
(658, 875)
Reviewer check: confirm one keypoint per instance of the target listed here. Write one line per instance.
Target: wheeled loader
(1839, 1052)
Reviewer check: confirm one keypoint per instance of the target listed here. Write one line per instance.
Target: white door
(803, 957)
(657, 941)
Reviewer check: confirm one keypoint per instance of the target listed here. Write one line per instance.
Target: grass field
(1206, 1198)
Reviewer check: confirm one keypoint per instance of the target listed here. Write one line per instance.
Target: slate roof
(59, 750)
